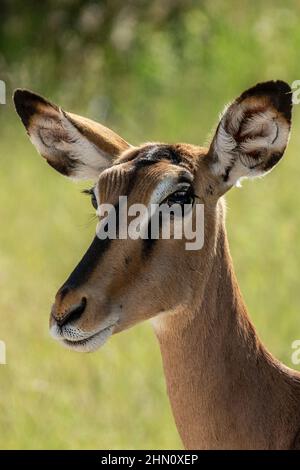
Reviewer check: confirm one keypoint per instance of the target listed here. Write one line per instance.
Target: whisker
(92, 218)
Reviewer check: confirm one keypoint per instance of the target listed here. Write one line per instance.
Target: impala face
(119, 283)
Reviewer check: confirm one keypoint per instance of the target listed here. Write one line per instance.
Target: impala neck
(225, 389)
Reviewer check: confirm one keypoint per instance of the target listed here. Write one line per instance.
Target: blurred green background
(152, 70)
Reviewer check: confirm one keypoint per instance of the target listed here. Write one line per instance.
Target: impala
(226, 390)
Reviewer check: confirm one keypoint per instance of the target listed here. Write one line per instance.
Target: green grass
(53, 398)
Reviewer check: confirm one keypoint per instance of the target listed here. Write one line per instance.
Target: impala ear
(73, 145)
(252, 134)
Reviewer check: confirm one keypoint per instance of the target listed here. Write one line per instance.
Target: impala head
(119, 283)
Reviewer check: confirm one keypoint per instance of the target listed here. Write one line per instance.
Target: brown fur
(104, 138)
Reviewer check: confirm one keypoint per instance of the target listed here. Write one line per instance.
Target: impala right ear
(75, 146)
(252, 134)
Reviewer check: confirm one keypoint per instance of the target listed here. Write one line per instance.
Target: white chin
(90, 344)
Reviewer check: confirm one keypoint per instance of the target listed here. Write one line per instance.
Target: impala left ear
(73, 145)
(252, 134)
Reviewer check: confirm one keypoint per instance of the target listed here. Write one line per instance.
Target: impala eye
(182, 196)
(90, 192)
(94, 200)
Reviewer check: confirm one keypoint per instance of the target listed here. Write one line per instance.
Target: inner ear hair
(253, 132)
(75, 146)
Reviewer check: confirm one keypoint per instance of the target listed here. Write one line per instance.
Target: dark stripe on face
(91, 258)
(149, 243)
(148, 246)
(88, 263)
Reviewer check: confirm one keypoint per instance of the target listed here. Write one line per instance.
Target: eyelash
(90, 192)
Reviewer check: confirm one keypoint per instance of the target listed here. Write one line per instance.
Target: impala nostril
(73, 313)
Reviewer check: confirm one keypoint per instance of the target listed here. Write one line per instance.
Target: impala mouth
(91, 343)
(79, 341)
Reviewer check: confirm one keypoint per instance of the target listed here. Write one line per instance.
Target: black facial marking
(88, 263)
(171, 154)
(142, 162)
(91, 258)
(148, 245)
(155, 153)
